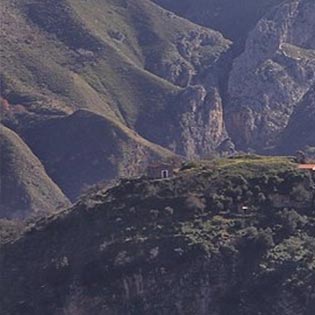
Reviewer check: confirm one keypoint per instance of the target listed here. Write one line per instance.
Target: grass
(257, 165)
(10, 230)
(247, 165)
(25, 186)
(84, 67)
(113, 81)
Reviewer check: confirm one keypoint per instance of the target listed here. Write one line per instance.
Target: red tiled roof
(307, 167)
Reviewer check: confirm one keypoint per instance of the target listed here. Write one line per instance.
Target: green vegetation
(25, 186)
(245, 165)
(100, 59)
(182, 230)
(10, 230)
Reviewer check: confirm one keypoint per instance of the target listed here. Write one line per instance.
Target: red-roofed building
(309, 167)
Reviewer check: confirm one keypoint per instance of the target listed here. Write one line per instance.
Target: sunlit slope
(64, 55)
(24, 184)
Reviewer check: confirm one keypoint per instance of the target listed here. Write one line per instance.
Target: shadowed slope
(300, 131)
(233, 18)
(85, 148)
(24, 184)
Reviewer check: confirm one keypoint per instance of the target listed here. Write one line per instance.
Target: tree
(300, 157)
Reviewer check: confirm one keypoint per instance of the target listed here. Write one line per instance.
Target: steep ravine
(271, 68)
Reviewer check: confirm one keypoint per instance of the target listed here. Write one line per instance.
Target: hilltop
(174, 246)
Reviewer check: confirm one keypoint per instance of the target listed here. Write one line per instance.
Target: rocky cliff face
(300, 131)
(193, 127)
(274, 71)
(201, 122)
(197, 53)
(272, 76)
(177, 246)
(197, 65)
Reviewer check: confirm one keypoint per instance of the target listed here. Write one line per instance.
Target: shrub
(261, 198)
(194, 203)
(188, 166)
(291, 220)
(299, 193)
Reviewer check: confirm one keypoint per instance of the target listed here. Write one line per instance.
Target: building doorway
(164, 174)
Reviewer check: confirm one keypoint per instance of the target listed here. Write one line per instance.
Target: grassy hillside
(245, 165)
(63, 55)
(103, 56)
(24, 184)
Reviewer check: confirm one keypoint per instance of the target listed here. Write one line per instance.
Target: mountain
(233, 18)
(128, 61)
(147, 68)
(24, 185)
(85, 148)
(158, 78)
(272, 76)
(226, 236)
(300, 131)
(272, 68)
(130, 64)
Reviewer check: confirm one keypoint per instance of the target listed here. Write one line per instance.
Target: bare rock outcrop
(272, 76)
(300, 132)
(201, 122)
(194, 53)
